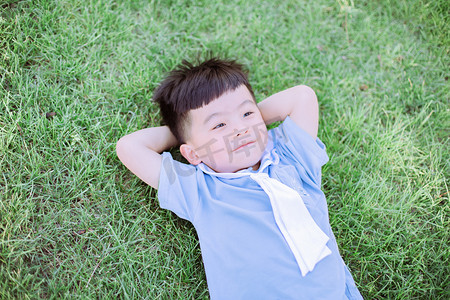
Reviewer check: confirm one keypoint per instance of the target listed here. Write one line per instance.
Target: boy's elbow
(305, 98)
(305, 93)
(121, 147)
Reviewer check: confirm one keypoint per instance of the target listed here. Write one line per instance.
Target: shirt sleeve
(178, 187)
(298, 145)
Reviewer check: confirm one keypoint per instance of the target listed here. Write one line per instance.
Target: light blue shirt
(244, 253)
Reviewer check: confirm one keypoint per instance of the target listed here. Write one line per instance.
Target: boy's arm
(299, 103)
(140, 152)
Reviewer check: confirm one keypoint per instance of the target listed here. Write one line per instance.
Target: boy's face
(228, 134)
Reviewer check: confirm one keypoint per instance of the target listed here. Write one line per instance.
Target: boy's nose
(242, 131)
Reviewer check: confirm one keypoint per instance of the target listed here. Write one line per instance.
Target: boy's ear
(190, 154)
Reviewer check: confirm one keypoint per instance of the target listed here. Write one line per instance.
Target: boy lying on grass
(253, 195)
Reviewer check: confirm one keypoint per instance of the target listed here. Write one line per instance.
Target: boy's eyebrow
(247, 101)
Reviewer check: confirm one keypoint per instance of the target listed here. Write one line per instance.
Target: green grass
(74, 223)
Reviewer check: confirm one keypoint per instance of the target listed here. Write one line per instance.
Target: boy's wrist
(268, 114)
(167, 139)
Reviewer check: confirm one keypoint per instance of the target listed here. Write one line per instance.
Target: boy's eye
(248, 113)
(219, 125)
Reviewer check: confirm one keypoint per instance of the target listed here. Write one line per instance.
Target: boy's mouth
(244, 145)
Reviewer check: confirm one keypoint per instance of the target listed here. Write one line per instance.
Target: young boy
(253, 195)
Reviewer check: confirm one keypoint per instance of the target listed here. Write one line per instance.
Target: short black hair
(190, 86)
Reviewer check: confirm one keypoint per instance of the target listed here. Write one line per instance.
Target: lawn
(77, 75)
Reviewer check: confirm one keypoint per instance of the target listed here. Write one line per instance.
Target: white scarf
(304, 237)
